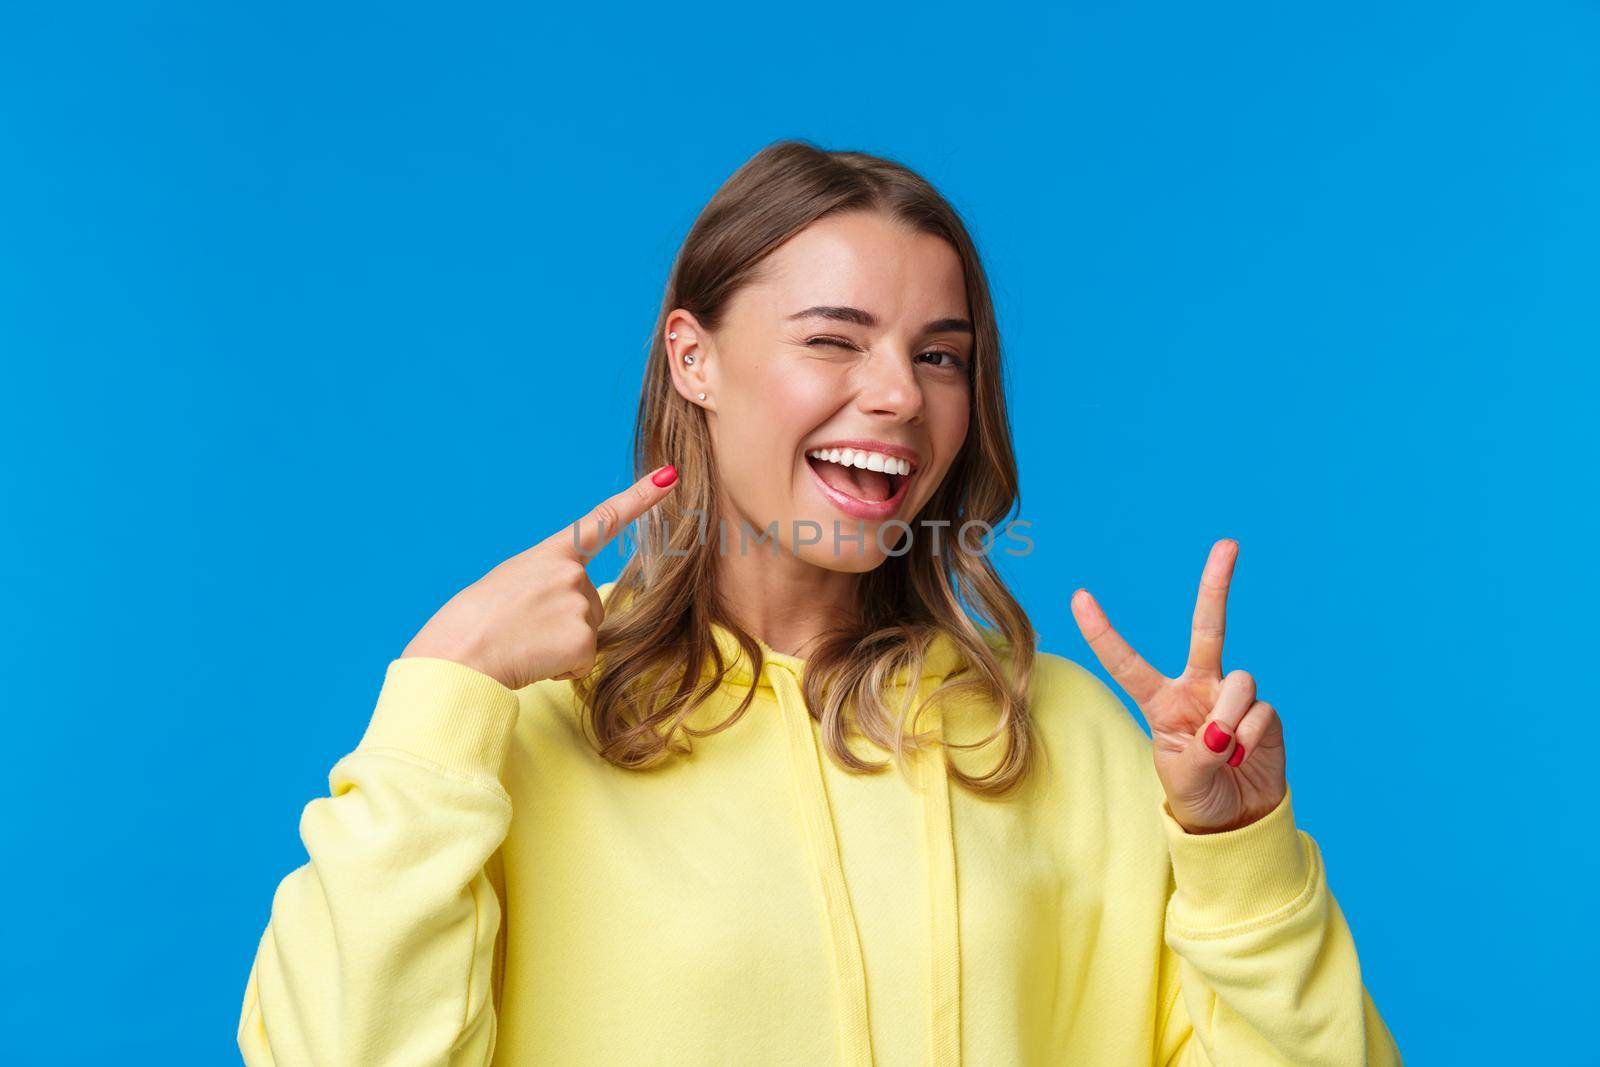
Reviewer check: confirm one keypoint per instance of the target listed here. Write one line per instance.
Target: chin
(848, 562)
(850, 557)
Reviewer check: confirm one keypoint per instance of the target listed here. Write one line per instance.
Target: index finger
(595, 530)
(1127, 667)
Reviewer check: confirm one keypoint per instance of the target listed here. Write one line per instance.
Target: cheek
(949, 414)
(801, 386)
(781, 402)
(765, 414)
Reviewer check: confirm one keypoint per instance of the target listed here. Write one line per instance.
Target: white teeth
(872, 461)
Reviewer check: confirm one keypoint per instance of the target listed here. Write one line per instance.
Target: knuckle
(607, 515)
(574, 647)
(580, 655)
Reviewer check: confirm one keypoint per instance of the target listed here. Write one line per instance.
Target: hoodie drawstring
(944, 959)
(944, 935)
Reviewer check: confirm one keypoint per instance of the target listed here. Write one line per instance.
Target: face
(836, 389)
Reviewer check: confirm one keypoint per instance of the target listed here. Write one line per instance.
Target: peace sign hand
(1218, 750)
(537, 615)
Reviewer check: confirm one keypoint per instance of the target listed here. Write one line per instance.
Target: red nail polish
(1237, 757)
(1216, 737)
(665, 476)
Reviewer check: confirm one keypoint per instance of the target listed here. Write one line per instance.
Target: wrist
(1250, 817)
(424, 646)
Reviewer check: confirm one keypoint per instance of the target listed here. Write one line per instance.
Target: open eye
(955, 360)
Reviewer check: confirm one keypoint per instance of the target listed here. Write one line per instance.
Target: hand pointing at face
(1218, 749)
(537, 615)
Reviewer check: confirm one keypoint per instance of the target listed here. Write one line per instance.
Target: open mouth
(862, 483)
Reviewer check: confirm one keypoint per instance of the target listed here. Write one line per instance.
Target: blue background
(310, 316)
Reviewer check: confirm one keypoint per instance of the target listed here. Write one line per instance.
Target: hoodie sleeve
(382, 948)
(1258, 965)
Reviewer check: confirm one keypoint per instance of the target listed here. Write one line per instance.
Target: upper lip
(866, 444)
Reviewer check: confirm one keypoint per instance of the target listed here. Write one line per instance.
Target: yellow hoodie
(483, 888)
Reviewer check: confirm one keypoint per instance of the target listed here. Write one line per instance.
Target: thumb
(595, 530)
(1214, 745)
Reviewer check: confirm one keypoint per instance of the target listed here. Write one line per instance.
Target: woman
(773, 796)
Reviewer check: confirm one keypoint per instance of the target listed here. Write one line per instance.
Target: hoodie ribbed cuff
(1237, 876)
(444, 712)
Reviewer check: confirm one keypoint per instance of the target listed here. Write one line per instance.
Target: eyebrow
(868, 319)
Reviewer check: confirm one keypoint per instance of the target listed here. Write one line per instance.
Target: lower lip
(855, 506)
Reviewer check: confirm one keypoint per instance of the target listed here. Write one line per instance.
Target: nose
(889, 388)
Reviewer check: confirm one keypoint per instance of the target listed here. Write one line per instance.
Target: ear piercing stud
(700, 396)
(689, 359)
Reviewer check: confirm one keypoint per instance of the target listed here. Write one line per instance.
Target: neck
(781, 599)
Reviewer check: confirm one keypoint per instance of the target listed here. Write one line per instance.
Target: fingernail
(1237, 757)
(665, 476)
(1216, 737)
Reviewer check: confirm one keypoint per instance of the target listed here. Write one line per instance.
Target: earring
(689, 359)
(702, 396)
(673, 336)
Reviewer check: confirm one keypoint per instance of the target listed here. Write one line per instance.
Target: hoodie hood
(780, 681)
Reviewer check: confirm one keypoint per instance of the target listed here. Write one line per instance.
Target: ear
(689, 379)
